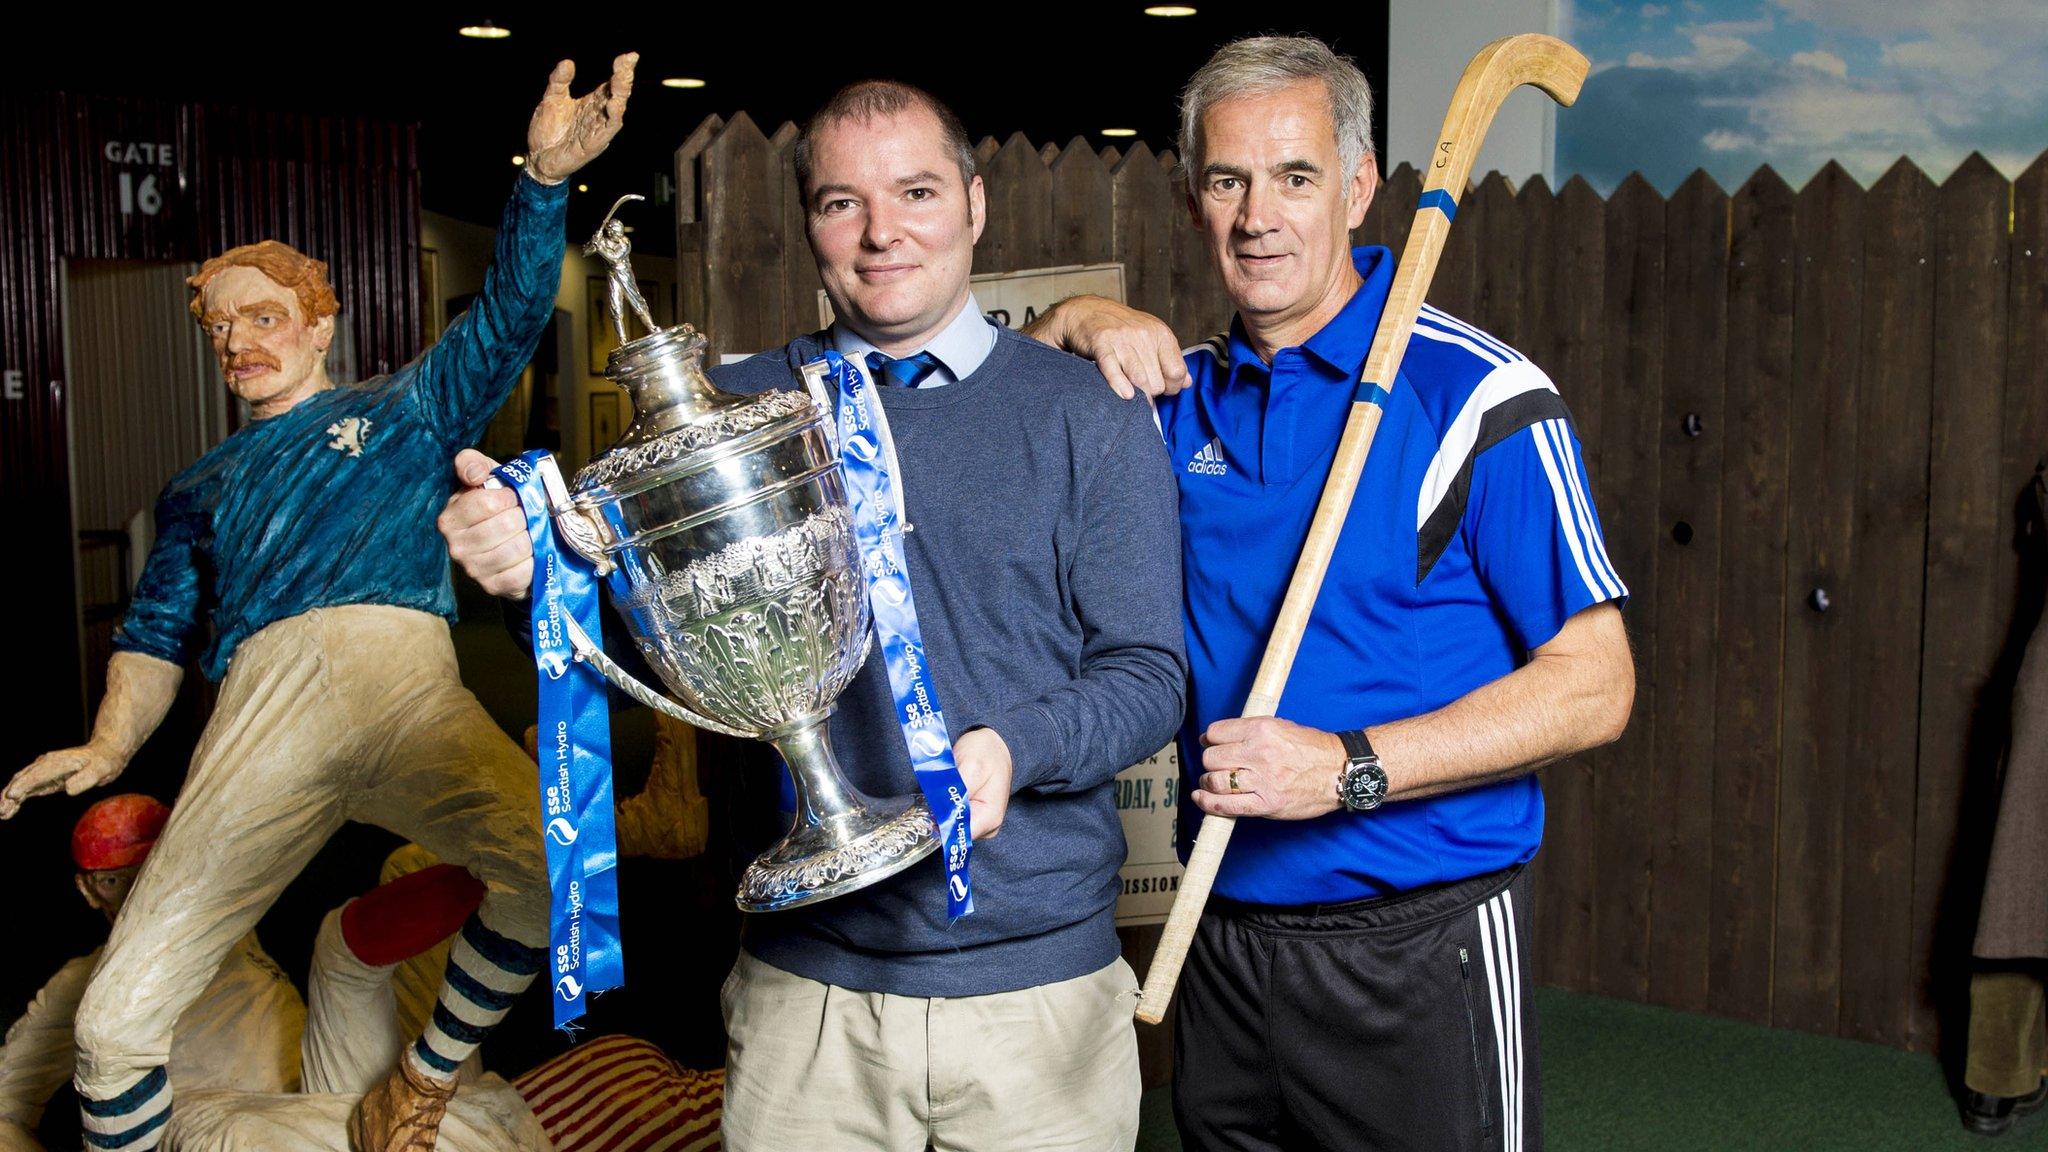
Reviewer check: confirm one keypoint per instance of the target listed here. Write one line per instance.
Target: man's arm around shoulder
(1136, 351)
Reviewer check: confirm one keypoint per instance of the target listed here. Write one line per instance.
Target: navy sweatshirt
(1045, 558)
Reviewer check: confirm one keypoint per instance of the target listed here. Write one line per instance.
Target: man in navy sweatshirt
(1045, 559)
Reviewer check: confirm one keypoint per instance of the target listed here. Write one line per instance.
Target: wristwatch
(1362, 785)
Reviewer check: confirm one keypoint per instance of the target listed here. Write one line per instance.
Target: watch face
(1365, 785)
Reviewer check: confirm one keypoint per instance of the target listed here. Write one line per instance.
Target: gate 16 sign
(139, 161)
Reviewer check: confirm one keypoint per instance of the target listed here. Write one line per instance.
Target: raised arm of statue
(466, 375)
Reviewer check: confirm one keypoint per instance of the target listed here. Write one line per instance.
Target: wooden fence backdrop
(1811, 417)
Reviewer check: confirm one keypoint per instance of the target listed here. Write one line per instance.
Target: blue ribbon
(575, 755)
(867, 456)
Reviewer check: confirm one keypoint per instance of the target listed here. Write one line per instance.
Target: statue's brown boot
(403, 1114)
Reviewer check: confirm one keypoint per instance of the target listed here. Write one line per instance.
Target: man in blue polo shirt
(1358, 979)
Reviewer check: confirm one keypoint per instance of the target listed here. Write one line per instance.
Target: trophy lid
(663, 374)
(677, 412)
(680, 419)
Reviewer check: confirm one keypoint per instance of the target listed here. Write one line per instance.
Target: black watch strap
(1356, 746)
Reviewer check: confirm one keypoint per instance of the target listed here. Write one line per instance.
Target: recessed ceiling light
(1170, 10)
(518, 161)
(682, 82)
(1119, 131)
(485, 31)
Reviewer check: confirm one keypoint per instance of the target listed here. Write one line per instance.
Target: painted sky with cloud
(1730, 85)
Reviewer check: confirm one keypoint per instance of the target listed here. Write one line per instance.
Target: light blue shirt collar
(960, 346)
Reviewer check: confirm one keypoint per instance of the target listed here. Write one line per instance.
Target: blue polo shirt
(1471, 540)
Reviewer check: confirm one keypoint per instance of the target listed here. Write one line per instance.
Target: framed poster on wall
(1148, 803)
(604, 418)
(599, 337)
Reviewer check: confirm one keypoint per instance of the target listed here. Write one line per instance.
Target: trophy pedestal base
(851, 851)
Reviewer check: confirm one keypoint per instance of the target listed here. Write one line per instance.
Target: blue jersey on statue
(333, 502)
(1471, 540)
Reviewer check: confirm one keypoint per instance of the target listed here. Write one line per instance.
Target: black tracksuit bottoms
(1401, 1023)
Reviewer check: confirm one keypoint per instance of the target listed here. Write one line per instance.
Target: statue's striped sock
(486, 973)
(133, 1120)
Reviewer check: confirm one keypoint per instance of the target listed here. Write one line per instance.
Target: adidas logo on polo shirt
(1209, 461)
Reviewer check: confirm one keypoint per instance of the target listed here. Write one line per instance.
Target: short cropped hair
(869, 99)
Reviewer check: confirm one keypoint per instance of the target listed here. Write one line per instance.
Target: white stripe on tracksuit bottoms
(1398, 1022)
(1497, 944)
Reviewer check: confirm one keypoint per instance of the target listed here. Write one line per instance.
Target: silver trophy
(725, 519)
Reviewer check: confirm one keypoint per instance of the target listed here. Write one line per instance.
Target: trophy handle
(582, 531)
(588, 651)
(581, 528)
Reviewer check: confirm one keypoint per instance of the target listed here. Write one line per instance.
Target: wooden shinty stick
(1502, 66)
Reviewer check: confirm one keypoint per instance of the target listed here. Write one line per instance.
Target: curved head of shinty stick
(1501, 67)
(1542, 62)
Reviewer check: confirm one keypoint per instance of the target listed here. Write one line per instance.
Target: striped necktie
(908, 372)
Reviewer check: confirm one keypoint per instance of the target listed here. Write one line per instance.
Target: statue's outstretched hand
(568, 132)
(72, 769)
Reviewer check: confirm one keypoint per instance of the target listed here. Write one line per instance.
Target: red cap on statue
(117, 832)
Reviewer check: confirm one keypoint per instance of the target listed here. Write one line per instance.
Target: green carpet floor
(1620, 1077)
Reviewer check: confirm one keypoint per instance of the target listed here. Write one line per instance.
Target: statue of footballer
(307, 541)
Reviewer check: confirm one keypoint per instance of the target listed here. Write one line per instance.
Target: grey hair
(1257, 65)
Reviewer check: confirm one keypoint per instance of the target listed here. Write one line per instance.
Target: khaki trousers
(342, 713)
(2008, 1035)
(821, 1068)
